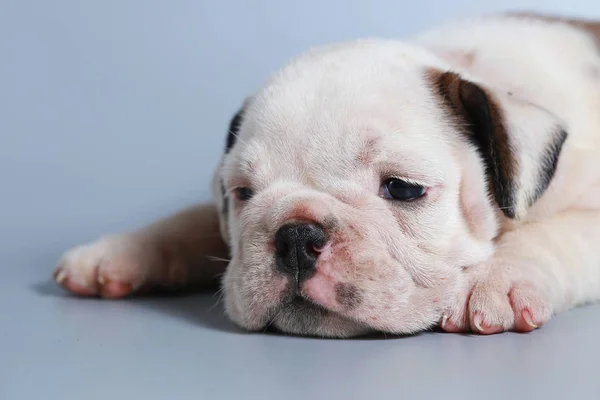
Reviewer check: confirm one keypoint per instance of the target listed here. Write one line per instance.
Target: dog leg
(538, 270)
(172, 253)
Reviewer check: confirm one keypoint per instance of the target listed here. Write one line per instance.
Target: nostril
(315, 248)
(320, 241)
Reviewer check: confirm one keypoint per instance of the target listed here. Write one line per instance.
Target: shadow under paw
(194, 306)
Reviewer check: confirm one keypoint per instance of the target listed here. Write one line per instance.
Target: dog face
(362, 180)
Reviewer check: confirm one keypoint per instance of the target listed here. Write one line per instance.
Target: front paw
(112, 267)
(496, 302)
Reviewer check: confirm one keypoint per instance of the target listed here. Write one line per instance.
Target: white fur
(451, 258)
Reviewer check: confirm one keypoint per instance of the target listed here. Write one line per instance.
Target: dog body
(452, 178)
(551, 63)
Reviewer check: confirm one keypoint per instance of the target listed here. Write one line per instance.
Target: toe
(448, 325)
(480, 325)
(524, 321)
(530, 307)
(75, 287)
(114, 290)
(489, 308)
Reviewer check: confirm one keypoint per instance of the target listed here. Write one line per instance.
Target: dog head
(362, 179)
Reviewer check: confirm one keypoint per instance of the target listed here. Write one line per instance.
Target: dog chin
(302, 317)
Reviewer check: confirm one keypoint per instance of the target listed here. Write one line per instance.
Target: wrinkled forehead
(339, 112)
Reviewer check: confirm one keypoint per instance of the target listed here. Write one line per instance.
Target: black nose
(297, 248)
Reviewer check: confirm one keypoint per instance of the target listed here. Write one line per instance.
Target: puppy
(450, 179)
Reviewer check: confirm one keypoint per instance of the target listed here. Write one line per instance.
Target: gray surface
(112, 113)
(56, 347)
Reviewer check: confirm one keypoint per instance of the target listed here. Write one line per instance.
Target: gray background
(113, 113)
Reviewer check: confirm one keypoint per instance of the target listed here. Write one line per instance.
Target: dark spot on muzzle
(348, 295)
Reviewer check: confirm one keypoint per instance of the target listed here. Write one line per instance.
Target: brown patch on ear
(480, 119)
(234, 126)
(225, 214)
(549, 163)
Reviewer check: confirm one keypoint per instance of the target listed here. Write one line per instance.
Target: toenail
(477, 322)
(62, 275)
(527, 317)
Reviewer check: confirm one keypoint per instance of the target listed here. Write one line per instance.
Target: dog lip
(295, 299)
(298, 307)
(307, 300)
(298, 299)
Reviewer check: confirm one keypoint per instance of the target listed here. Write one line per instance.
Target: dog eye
(244, 193)
(397, 189)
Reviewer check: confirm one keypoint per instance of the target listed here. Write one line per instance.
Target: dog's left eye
(398, 189)
(244, 193)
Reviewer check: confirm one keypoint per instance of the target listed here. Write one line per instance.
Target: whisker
(238, 137)
(219, 294)
(219, 275)
(215, 258)
(273, 319)
(213, 236)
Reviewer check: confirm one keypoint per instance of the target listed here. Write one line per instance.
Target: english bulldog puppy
(451, 179)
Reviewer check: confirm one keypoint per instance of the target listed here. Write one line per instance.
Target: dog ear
(218, 185)
(234, 126)
(519, 142)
